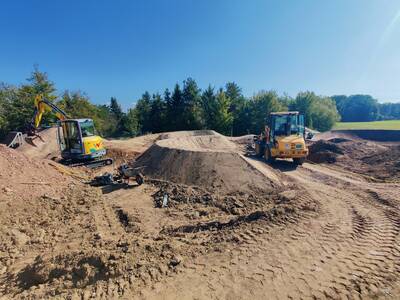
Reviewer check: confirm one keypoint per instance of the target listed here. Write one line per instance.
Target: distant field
(387, 125)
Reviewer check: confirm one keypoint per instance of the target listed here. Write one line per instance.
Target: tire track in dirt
(350, 250)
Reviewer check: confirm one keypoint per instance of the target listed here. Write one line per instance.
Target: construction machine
(283, 137)
(79, 145)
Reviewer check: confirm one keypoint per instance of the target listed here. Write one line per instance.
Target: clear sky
(122, 48)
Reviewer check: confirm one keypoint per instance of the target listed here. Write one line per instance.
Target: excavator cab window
(87, 128)
(60, 137)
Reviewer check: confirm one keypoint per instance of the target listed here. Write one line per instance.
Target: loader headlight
(287, 146)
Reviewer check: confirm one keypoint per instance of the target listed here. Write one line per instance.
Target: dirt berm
(203, 158)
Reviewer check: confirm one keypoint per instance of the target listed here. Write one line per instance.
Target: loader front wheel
(299, 161)
(268, 157)
(259, 150)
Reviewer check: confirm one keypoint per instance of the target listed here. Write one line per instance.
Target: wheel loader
(283, 137)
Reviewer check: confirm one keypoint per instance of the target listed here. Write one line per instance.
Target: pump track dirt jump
(211, 221)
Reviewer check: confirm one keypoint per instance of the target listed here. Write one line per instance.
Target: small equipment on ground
(123, 175)
(283, 137)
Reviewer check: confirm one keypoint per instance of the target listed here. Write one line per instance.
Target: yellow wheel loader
(283, 137)
(79, 145)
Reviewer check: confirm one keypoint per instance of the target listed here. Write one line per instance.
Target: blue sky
(122, 48)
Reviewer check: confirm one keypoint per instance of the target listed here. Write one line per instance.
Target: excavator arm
(41, 106)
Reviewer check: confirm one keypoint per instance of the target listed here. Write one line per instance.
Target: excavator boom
(41, 106)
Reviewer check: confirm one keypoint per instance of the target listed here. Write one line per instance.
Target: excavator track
(89, 164)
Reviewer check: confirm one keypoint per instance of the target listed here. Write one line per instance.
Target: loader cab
(78, 140)
(286, 124)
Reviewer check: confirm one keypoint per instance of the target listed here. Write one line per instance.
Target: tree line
(364, 108)
(186, 107)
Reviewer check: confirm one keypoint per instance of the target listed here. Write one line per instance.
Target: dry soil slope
(202, 158)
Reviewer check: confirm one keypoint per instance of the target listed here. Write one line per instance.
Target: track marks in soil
(348, 248)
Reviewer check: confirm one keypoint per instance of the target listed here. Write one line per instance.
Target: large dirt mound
(324, 151)
(210, 161)
(360, 156)
(22, 177)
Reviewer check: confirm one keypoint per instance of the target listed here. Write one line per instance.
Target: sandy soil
(233, 227)
(377, 161)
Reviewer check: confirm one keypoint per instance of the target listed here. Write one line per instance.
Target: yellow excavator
(79, 145)
(283, 137)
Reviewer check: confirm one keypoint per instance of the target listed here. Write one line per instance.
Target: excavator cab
(283, 137)
(78, 141)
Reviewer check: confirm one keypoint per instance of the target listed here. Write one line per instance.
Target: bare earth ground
(234, 227)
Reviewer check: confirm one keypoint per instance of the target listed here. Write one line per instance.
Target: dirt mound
(213, 143)
(361, 134)
(185, 134)
(325, 151)
(374, 159)
(126, 150)
(384, 164)
(209, 162)
(22, 177)
(43, 146)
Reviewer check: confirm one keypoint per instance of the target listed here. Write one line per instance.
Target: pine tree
(209, 107)
(175, 109)
(143, 108)
(116, 109)
(158, 113)
(192, 114)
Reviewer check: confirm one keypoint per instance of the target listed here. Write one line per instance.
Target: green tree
(389, 111)
(237, 102)
(261, 105)
(116, 109)
(104, 121)
(158, 114)
(209, 106)
(119, 116)
(175, 109)
(357, 108)
(192, 113)
(324, 114)
(8, 118)
(143, 108)
(77, 105)
(320, 112)
(216, 111)
(304, 103)
(132, 122)
(19, 102)
(223, 117)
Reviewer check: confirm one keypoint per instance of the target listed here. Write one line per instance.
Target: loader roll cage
(285, 124)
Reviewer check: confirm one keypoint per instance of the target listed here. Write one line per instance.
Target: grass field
(387, 125)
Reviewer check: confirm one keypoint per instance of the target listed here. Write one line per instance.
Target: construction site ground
(211, 221)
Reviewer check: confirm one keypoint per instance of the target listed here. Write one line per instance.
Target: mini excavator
(79, 145)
